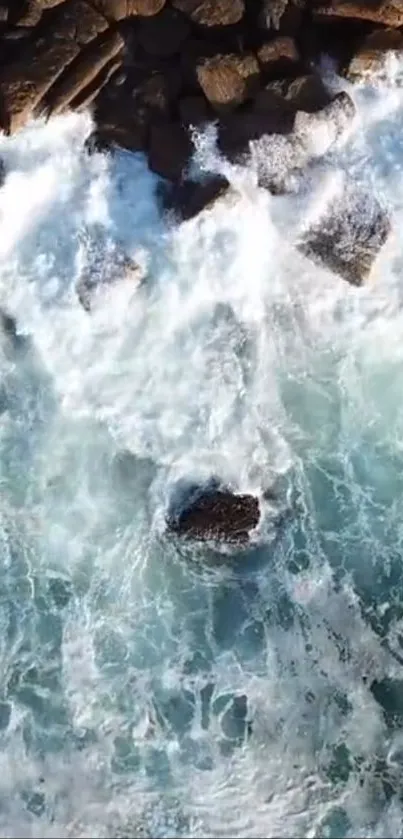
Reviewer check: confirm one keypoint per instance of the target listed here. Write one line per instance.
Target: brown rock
(212, 12)
(348, 239)
(218, 515)
(87, 95)
(386, 12)
(24, 83)
(228, 80)
(371, 52)
(169, 150)
(278, 57)
(188, 198)
(83, 71)
(31, 13)
(49, 4)
(164, 34)
(121, 9)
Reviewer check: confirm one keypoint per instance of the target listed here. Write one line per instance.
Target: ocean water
(150, 688)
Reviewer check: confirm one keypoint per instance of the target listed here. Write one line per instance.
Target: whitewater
(151, 688)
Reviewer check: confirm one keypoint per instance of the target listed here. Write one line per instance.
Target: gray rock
(349, 237)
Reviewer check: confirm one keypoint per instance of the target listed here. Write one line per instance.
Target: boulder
(91, 90)
(304, 93)
(228, 80)
(349, 237)
(370, 54)
(85, 70)
(41, 61)
(237, 130)
(31, 13)
(213, 514)
(194, 111)
(104, 268)
(278, 57)
(212, 12)
(385, 12)
(164, 34)
(169, 150)
(188, 198)
(121, 9)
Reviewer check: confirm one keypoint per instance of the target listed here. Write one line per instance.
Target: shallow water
(152, 689)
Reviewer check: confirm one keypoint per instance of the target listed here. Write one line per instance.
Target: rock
(105, 266)
(2, 172)
(386, 12)
(87, 94)
(86, 69)
(349, 237)
(278, 57)
(194, 111)
(228, 80)
(318, 131)
(237, 130)
(24, 83)
(121, 9)
(272, 12)
(304, 93)
(31, 13)
(188, 198)
(370, 54)
(164, 34)
(118, 121)
(212, 12)
(216, 514)
(169, 150)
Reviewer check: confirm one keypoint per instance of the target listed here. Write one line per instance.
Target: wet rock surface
(349, 236)
(212, 513)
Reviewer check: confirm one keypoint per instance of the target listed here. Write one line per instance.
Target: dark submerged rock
(211, 513)
(188, 198)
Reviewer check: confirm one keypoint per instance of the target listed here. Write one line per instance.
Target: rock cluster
(152, 68)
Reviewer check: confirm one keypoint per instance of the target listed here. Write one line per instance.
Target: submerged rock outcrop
(212, 513)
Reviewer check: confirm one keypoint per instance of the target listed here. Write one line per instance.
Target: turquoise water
(150, 688)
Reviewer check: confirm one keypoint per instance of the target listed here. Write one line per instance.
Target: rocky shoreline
(154, 70)
(151, 69)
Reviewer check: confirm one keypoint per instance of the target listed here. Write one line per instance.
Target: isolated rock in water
(370, 55)
(216, 514)
(103, 268)
(349, 237)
